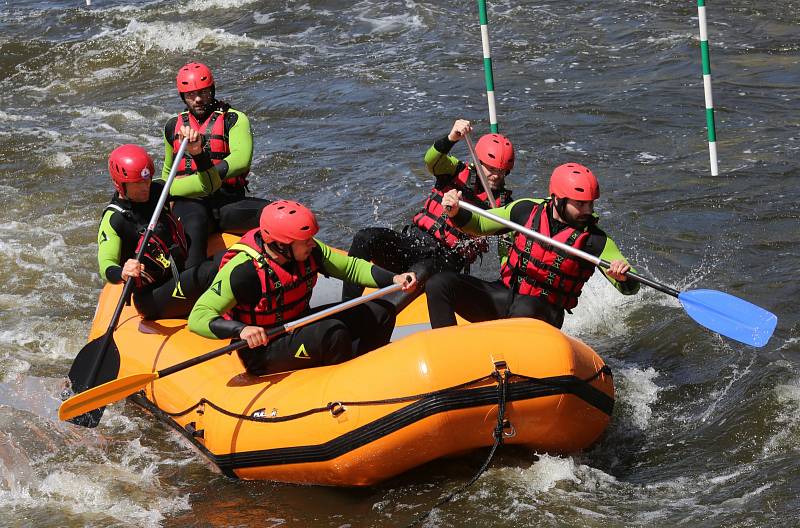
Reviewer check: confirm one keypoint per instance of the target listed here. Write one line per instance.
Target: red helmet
(495, 150)
(194, 76)
(129, 164)
(574, 181)
(285, 221)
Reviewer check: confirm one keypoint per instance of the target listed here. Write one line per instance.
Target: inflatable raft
(426, 395)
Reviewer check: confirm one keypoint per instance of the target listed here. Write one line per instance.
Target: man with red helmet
(229, 143)
(537, 280)
(265, 280)
(432, 243)
(164, 286)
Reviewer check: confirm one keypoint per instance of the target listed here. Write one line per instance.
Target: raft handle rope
(339, 406)
(500, 431)
(501, 375)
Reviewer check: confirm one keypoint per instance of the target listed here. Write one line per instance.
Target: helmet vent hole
(579, 189)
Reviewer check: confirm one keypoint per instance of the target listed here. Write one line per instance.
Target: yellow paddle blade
(104, 394)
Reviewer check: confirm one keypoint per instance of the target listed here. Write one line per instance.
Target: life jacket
(545, 271)
(217, 143)
(433, 219)
(166, 249)
(285, 289)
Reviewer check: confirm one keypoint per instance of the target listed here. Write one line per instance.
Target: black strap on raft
(337, 407)
(500, 430)
(334, 408)
(501, 375)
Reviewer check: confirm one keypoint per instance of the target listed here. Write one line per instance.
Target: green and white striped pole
(487, 65)
(712, 134)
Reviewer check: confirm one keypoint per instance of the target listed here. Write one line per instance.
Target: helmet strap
(561, 207)
(284, 250)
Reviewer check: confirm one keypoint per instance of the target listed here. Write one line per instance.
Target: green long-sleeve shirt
(238, 283)
(439, 163)
(118, 236)
(240, 142)
(598, 244)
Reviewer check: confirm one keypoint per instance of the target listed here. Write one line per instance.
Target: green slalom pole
(487, 65)
(712, 134)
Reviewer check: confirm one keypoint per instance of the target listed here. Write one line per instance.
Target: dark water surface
(344, 98)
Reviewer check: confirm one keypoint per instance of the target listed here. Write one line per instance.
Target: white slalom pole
(487, 65)
(712, 134)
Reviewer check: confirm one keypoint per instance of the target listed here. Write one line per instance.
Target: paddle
(481, 175)
(719, 312)
(93, 361)
(97, 397)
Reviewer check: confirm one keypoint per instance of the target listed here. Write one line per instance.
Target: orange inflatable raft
(427, 395)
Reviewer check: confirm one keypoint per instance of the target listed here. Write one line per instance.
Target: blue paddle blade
(730, 316)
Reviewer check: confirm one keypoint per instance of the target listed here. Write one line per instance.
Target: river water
(345, 97)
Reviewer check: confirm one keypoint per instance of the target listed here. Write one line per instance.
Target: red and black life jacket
(433, 218)
(216, 142)
(166, 249)
(547, 272)
(285, 289)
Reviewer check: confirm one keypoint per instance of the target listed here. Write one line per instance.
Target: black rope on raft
(499, 431)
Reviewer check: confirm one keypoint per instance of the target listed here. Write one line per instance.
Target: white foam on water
(571, 147)
(551, 479)
(58, 160)
(28, 253)
(16, 472)
(638, 392)
(646, 158)
(263, 19)
(542, 475)
(107, 73)
(787, 436)
(196, 6)
(392, 23)
(5, 116)
(110, 492)
(12, 367)
(101, 113)
(185, 36)
(737, 373)
(669, 40)
(601, 309)
(138, 6)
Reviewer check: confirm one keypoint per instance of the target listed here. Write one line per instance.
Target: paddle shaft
(117, 389)
(597, 261)
(285, 329)
(126, 290)
(481, 175)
